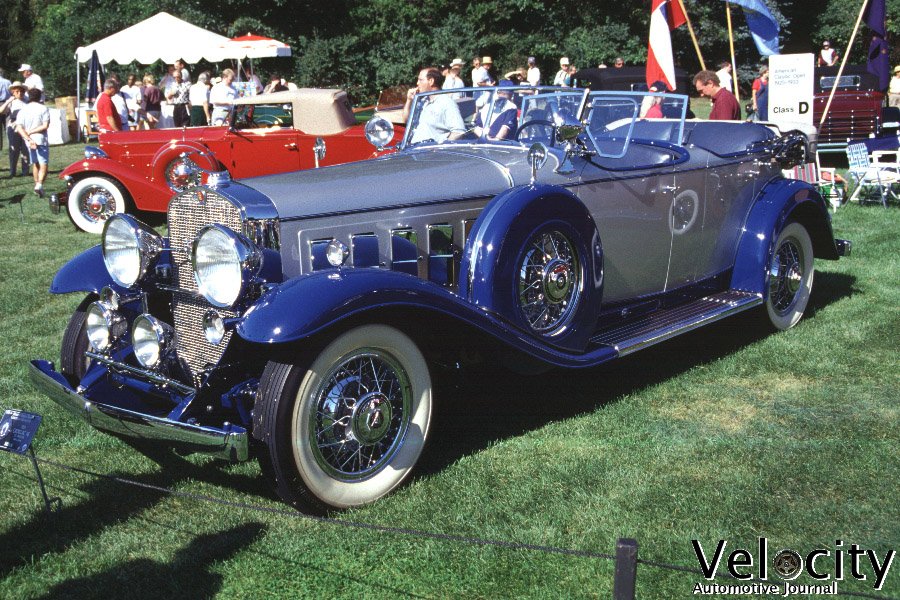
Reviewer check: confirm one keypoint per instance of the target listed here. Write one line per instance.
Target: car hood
(409, 177)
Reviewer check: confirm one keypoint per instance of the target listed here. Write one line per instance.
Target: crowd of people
(26, 121)
(207, 101)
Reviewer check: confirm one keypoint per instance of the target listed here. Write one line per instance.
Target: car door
(263, 143)
(687, 212)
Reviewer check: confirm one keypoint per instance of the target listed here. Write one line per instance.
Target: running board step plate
(664, 324)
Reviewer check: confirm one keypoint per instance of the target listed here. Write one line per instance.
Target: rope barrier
(421, 533)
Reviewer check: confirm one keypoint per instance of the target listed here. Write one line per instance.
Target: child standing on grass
(32, 124)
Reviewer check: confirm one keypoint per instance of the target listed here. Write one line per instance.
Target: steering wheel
(551, 139)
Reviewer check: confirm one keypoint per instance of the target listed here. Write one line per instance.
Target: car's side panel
(633, 220)
(780, 202)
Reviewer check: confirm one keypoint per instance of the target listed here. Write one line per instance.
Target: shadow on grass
(189, 575)
(108, 503)
(477, 408)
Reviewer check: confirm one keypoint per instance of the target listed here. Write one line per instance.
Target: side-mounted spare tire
(172, 169)
(534, 258)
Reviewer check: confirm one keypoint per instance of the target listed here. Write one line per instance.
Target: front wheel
(349, 427)
(73, 363)
(92, 201)
(790, 277)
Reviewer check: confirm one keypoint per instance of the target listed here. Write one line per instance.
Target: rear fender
(780, 202)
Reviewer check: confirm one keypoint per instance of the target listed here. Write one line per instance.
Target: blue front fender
(780, 202)
(84, 273)
(311, 303)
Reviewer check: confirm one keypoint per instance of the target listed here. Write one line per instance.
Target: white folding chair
(823, 179)
(879, 170)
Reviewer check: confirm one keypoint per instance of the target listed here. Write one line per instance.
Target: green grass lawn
(725, 433)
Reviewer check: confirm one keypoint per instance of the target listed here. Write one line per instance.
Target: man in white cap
(453, 79)
(563, 72)
(31, 79)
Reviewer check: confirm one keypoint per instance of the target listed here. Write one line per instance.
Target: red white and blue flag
(665, 16)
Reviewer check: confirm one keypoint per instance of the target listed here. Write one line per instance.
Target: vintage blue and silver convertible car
(298, 317)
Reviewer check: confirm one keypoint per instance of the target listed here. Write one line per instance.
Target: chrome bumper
(843, 246)
(193, 438)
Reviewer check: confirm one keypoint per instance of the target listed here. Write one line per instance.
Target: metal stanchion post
(48, 501)
(626, 569)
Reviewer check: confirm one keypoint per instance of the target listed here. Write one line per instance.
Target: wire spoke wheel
(790, 277)
(549, 282)
(92, 201)
(360, 416)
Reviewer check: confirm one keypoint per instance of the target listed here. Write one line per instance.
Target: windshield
(525, 115)
(615, 118)
(261, 116)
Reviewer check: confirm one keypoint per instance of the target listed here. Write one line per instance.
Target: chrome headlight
(224, 263)
(150, 338)
(379, 132)
(129, 247)
(103, 325)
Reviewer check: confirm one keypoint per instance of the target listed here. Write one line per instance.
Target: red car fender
(146, 195)
(199, 153)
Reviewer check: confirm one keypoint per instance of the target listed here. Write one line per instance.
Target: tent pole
(693, 36)
(78, 96)
(734, 77)
(862, 9)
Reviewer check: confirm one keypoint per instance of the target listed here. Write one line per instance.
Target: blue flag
(763, 26)
(878, 61)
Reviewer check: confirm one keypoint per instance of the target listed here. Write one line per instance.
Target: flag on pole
(763, 26)
(878, 61)
(665, 15)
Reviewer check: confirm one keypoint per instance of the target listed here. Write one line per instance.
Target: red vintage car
(855, 111)
(270, 133)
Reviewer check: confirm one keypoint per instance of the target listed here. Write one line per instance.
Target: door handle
(292, 147)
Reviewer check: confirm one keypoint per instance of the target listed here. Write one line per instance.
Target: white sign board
(791, 79)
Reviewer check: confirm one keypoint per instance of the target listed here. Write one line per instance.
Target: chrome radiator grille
(188, 213)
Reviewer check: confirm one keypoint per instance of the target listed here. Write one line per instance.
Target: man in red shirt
(107, 116)
(725, 105)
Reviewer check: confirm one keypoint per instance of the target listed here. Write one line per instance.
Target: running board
(661, 325)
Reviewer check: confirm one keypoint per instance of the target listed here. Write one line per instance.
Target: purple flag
(878, 61)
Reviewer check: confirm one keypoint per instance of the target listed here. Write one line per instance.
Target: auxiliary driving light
(150, 338)
(103, 325)
(213, 327)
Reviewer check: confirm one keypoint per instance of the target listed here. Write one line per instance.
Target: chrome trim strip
(143, 373)
(663, 325)
(233, 446)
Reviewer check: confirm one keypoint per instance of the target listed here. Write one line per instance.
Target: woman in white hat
(894, 88)
(17, 147)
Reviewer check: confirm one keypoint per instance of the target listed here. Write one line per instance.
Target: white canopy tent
(168, 38)
(161, 37)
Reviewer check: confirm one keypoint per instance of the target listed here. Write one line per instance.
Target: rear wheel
(790, 277)
(347, 428)
(93, 200)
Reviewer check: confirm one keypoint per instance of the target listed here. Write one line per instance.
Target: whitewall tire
(92, 201)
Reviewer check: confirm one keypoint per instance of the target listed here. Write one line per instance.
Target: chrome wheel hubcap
(97, 204)
(549, 283)
(361, 415)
